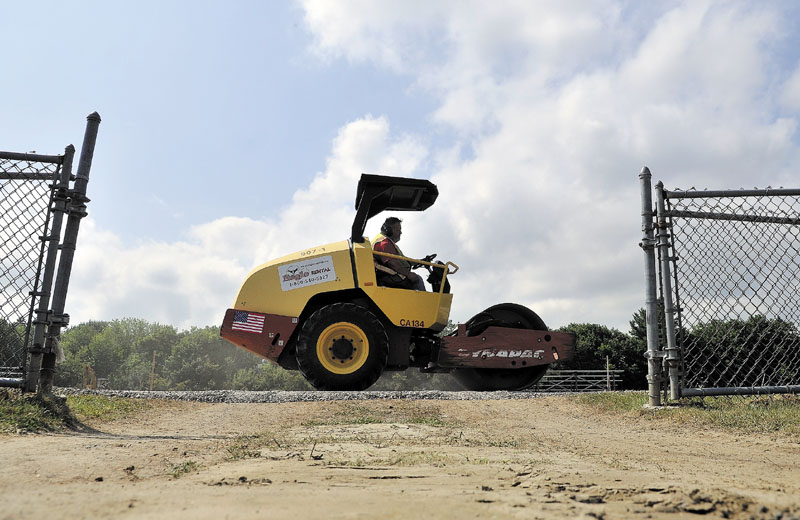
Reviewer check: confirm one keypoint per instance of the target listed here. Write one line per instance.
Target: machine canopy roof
(377, 193)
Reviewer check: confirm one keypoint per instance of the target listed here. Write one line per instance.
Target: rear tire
(509, 315)
(342, 346)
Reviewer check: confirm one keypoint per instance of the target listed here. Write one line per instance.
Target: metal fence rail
(579, 381)
(729, 291)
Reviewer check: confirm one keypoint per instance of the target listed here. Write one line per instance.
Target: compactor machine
(327, 312)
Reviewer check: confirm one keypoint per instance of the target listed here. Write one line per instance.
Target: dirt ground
(533, 458)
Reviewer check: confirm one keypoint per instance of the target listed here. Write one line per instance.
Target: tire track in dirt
(396, 458)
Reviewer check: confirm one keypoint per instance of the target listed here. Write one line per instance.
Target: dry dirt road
(536, 458)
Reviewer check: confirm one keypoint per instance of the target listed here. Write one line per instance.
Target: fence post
(672, 358)
(77, 210)
(42, 314)
(648, 243)
(153, 371)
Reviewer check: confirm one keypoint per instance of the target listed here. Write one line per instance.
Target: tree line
(136, 354)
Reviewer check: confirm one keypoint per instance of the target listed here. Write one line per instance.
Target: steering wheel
(428, 258)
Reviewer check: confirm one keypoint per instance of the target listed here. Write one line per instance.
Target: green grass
(184, 468)
(751, 414)
(250, 446)
(613, 401)
(349, 414)
(31, 413)
(34, 413)
(106, 408)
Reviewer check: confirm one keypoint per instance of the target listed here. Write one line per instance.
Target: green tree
(109, 349)
(268, 376)
(203, 360)
(120, 351)
(12, 343)
(413, 379)
(75, 342)
(638, 325)
(595, 342)
(755, 352)
(136, 369)
(76, 337)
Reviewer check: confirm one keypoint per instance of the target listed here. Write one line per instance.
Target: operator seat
(385, 276)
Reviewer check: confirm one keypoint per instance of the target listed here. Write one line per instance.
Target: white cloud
(181, 283)
(385, 32)
(554, 107)
(192, 282)
(559, 105)
(790, 96)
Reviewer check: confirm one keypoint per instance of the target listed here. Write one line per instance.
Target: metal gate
(724, 305)
(36, 193)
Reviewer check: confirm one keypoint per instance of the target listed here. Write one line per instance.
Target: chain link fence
(727, 303)
(737, 288)
(26, 196)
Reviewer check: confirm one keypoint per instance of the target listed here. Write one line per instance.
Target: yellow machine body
(285, 286)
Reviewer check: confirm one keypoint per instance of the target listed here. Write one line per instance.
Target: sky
(235, 132)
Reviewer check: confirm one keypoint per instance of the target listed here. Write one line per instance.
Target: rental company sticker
(307, 272)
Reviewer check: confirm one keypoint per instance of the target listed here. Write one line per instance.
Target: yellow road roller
(331, 312)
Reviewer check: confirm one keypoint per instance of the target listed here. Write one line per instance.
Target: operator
(386, 242)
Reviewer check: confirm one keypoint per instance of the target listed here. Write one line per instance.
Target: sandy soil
(537, 458)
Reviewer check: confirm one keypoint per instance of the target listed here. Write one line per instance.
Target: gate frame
(42, 283)
(672, 354)
(40, 358)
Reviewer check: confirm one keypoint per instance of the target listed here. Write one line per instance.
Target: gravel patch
(281, 396)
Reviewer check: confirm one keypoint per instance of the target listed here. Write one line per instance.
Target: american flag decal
(248, 321)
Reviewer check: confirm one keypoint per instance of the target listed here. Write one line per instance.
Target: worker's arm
(402, 267)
